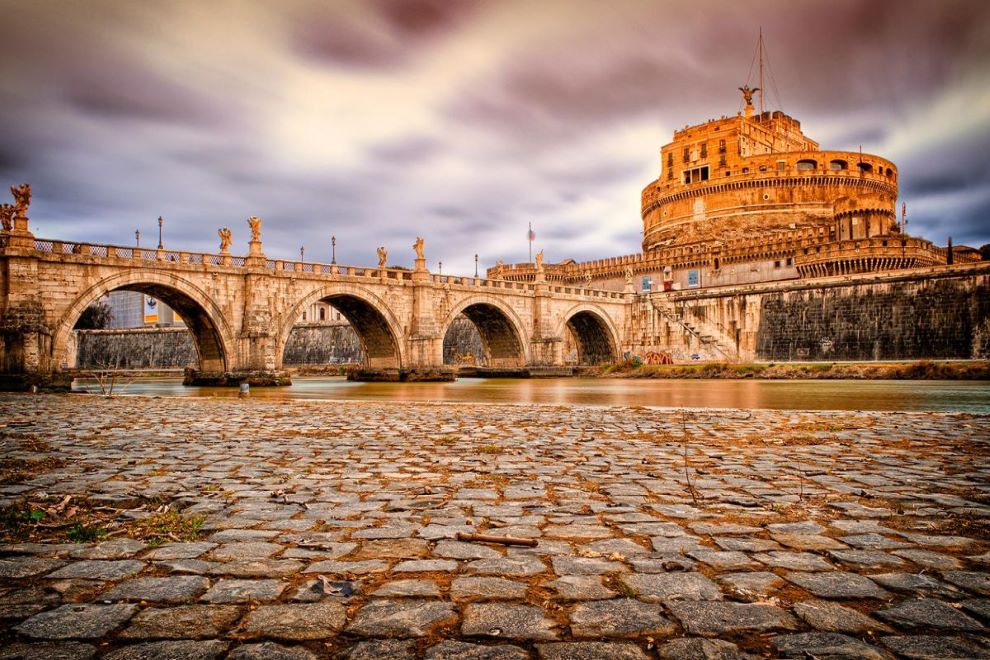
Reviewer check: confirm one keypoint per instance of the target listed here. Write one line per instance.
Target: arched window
(807, 164)
(865, 167)
(838, 165)
(323, 313)
(890, 172)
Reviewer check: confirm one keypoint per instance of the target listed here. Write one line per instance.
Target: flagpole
(529, 236)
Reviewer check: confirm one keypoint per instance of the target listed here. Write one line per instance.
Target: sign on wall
(694, 279)
(150, 310)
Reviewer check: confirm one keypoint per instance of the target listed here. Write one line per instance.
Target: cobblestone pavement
(330, 531)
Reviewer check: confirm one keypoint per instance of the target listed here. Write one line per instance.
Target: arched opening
(866, 168)
(141, 326)
(494, 342)
(807, 164)
(341, 329)
(592, 338)
(838, 165)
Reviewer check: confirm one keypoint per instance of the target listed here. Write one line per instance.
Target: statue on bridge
(7, 216)
(499, 269)
(22, 199)
(254, 223)
(382, 257)
(225, 238)
(418, 246)
(539, 261)
(629, 275)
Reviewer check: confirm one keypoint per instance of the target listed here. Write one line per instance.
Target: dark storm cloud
(376, 35)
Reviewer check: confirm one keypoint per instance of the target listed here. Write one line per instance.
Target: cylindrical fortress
(750, 176)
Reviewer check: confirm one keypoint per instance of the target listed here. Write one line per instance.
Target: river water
(947, 396)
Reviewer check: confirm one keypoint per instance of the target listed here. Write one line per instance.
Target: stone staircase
(710, 338)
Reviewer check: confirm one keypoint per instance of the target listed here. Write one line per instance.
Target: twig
(687, 473)
(502, 540)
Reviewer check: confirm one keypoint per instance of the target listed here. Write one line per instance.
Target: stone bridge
(240, 310)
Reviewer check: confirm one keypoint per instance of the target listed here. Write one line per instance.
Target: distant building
(750, 199)
(321, 312)
(133, 309)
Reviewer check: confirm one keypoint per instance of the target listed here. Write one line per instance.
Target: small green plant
(82, 533)
(171, 526)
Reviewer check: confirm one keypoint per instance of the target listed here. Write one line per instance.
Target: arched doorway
(496, 335)
(340, 327)
(592, 337)
(200, 316)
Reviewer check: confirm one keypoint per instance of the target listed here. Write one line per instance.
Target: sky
(461, 121)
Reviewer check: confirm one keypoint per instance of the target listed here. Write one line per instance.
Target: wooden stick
(502, 540)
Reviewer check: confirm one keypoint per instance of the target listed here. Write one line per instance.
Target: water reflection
(965, 396)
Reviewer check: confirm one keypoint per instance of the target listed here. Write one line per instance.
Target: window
(704, 150)
(838, 165)
(687, 154)
(323, 314)
(790, 261)
(721, 146)
(696, 175)
(781, 165)
(721, 160)
(865, 168)
(776, 264)
(807, 165)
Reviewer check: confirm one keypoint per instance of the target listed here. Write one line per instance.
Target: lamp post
(302, 253)
(161, 223)
(440, 268)
(137, 237)
(333, 248)
(476, 265)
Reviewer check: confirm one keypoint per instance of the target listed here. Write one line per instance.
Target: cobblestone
(330, 532)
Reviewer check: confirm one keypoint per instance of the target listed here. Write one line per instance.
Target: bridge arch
(502, 334)
(594, 331)
(212, 336)
(375, 324)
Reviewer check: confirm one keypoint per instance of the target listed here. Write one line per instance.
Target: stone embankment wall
(927, 319)
(937, 313)
(135, 348)
(309, 343)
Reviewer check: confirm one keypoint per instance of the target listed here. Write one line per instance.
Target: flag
(532, 234)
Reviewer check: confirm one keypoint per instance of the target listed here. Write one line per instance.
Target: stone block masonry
(926, 319)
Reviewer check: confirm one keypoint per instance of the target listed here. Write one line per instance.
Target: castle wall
(935, 313)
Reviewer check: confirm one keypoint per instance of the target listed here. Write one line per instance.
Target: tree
(985, 252)
(95, 317)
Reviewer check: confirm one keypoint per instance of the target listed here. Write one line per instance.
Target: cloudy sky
(460, 120)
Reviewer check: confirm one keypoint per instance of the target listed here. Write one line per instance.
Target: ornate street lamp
(333, 247)
(476, 265)
(161, 222)
(137, 237)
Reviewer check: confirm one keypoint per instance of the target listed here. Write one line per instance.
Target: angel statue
(254, 223)
(225, 236)
(7, 216)
(748, 92)
(22, 197)
(587, 277)
(382, 257)
(539, 261)
(629, 274)
(418, 246)
(499, 269)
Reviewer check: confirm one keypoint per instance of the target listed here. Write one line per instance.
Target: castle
(751, 199)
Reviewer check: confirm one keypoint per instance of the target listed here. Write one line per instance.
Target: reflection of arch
(597, 338)
(204, 319)
(372, 320)
(501, 330)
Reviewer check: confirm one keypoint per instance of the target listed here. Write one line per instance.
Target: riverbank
(922, 370)
(167, 527)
